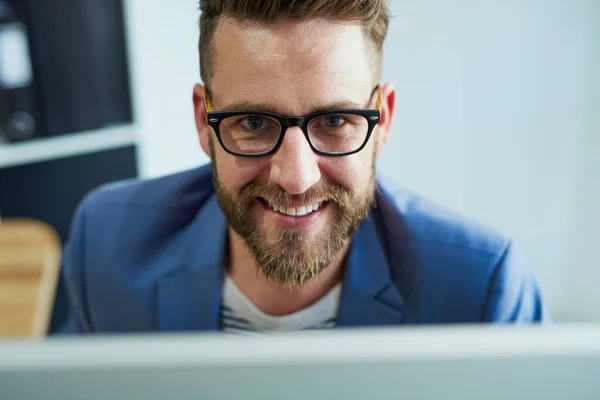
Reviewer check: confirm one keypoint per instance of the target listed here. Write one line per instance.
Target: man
(288, 228)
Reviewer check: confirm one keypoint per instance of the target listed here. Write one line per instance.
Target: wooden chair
(30, 254)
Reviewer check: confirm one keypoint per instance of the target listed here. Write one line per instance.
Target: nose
(294, 166)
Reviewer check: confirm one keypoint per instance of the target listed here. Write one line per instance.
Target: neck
(273, 299)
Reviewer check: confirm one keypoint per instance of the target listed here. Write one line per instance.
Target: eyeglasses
(260, 133)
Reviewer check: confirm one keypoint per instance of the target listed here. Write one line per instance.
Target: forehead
(294, 66)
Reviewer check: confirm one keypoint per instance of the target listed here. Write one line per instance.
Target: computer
(466, 363)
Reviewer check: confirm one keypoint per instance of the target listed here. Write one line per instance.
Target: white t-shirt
(238, 314)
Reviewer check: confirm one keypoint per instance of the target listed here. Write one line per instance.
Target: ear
(200, 117)
(388, 101)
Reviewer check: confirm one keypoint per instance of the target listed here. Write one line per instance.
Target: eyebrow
(250, 106)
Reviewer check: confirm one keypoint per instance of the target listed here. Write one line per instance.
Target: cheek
(236, 172)
(352, 172)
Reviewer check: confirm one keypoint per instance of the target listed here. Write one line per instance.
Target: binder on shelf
(18, 113)
(66, 70)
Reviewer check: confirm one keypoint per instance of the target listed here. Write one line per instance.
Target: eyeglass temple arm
(207, 106)
(379, 95)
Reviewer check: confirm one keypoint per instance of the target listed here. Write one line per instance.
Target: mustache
(274, 193)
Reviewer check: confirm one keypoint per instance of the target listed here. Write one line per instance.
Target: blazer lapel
(369, 296)
(190, 299)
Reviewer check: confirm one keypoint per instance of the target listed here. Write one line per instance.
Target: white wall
(494, 118)
(584, 269)
(163, 37)
(492, 110)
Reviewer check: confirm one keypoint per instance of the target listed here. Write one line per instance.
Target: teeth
(296, 211)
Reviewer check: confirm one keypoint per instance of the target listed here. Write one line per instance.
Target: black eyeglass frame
(372, 116)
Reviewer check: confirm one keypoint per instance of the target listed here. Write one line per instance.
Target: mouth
(300, 210)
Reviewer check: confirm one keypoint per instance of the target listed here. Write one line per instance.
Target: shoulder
(140, 214)
(124, 237)
(171, 193)
(443, 262)
(415, 219)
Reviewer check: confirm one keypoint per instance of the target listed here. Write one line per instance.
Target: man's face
(292, 69)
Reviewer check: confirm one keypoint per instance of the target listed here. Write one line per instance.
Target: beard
(292, 257)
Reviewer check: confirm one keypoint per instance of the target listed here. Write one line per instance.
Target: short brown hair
(372, 15)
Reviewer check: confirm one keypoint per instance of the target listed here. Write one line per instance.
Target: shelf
(13, 154)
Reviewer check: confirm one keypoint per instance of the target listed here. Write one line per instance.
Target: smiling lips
(296, 211)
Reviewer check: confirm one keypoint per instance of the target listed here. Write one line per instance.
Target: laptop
(466, 363)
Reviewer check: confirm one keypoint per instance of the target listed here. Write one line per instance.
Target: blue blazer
(149, 256)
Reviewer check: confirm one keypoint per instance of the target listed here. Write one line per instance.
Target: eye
(333, 121)
(253, 122)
